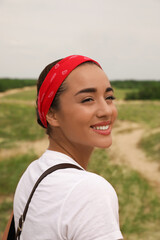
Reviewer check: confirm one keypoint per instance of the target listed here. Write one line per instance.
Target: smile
(101, 127)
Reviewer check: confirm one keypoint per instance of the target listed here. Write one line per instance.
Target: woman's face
(87, 111)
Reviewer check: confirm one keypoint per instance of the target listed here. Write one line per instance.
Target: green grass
(5, 211)
(18, 122)
(151, 145)
(10, 171)
(120, 94)
(146, 113)
(139, 204)
(25, 95)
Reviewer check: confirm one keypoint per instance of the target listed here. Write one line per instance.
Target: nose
(104, 109)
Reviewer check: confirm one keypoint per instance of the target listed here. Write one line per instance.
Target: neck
(79, 153)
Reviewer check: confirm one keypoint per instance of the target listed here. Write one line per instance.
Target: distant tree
(148, 92)
(7, 83)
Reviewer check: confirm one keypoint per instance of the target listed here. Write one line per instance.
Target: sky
(122, 35)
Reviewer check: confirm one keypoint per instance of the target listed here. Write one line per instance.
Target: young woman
(75, 105)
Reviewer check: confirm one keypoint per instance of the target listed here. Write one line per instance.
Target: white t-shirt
(68, 204)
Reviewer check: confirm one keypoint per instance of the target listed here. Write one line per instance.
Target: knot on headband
(54, 79)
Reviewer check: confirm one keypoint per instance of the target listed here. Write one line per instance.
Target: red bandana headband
(54, 79)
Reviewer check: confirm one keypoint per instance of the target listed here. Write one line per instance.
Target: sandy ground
(24, 147)
(124, 150)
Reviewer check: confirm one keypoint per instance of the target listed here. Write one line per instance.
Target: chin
(104, 145)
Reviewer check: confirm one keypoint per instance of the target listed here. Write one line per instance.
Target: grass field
(145, 113)
(139, 202)
(151, 145)
(27, 95)
(121, 93)
(18, 122)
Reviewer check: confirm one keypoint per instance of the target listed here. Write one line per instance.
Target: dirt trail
(124, 150)
(38, 147)
(15, 90)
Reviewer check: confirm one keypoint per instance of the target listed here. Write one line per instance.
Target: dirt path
(124, 150)
(22, 147)
(15, 90)
(38, 147)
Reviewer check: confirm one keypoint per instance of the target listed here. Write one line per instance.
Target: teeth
(101, 127)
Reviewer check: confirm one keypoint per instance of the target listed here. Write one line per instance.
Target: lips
(101, 124)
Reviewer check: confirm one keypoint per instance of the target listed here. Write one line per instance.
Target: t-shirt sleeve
(90, 211)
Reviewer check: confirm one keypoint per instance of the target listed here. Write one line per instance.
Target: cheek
(114, 112)
(77, 120)
(79, 114)
(69, 119)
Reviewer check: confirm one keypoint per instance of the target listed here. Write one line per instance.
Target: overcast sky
(123, 35)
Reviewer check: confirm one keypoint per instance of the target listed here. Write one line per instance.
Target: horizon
(129, 79)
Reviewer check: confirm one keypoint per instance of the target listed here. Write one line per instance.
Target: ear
(51, 118)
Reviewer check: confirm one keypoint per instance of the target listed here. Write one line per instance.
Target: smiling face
(87, 112)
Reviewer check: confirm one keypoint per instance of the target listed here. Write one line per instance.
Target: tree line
(144, 90)
(7, 83)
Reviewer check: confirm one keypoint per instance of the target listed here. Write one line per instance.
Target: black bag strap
(47, 172)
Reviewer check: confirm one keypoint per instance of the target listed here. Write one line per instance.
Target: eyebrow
(92, 90)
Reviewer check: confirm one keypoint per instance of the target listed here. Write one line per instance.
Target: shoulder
(93, 183)
(93, 203)
(92, 191)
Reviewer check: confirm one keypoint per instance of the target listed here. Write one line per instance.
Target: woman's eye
(87, 100)
(110, 97)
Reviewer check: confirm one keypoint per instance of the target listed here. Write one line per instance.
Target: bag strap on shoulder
(47, 172)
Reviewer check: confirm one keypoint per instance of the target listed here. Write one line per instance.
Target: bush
(133, 84)
(147, 92)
